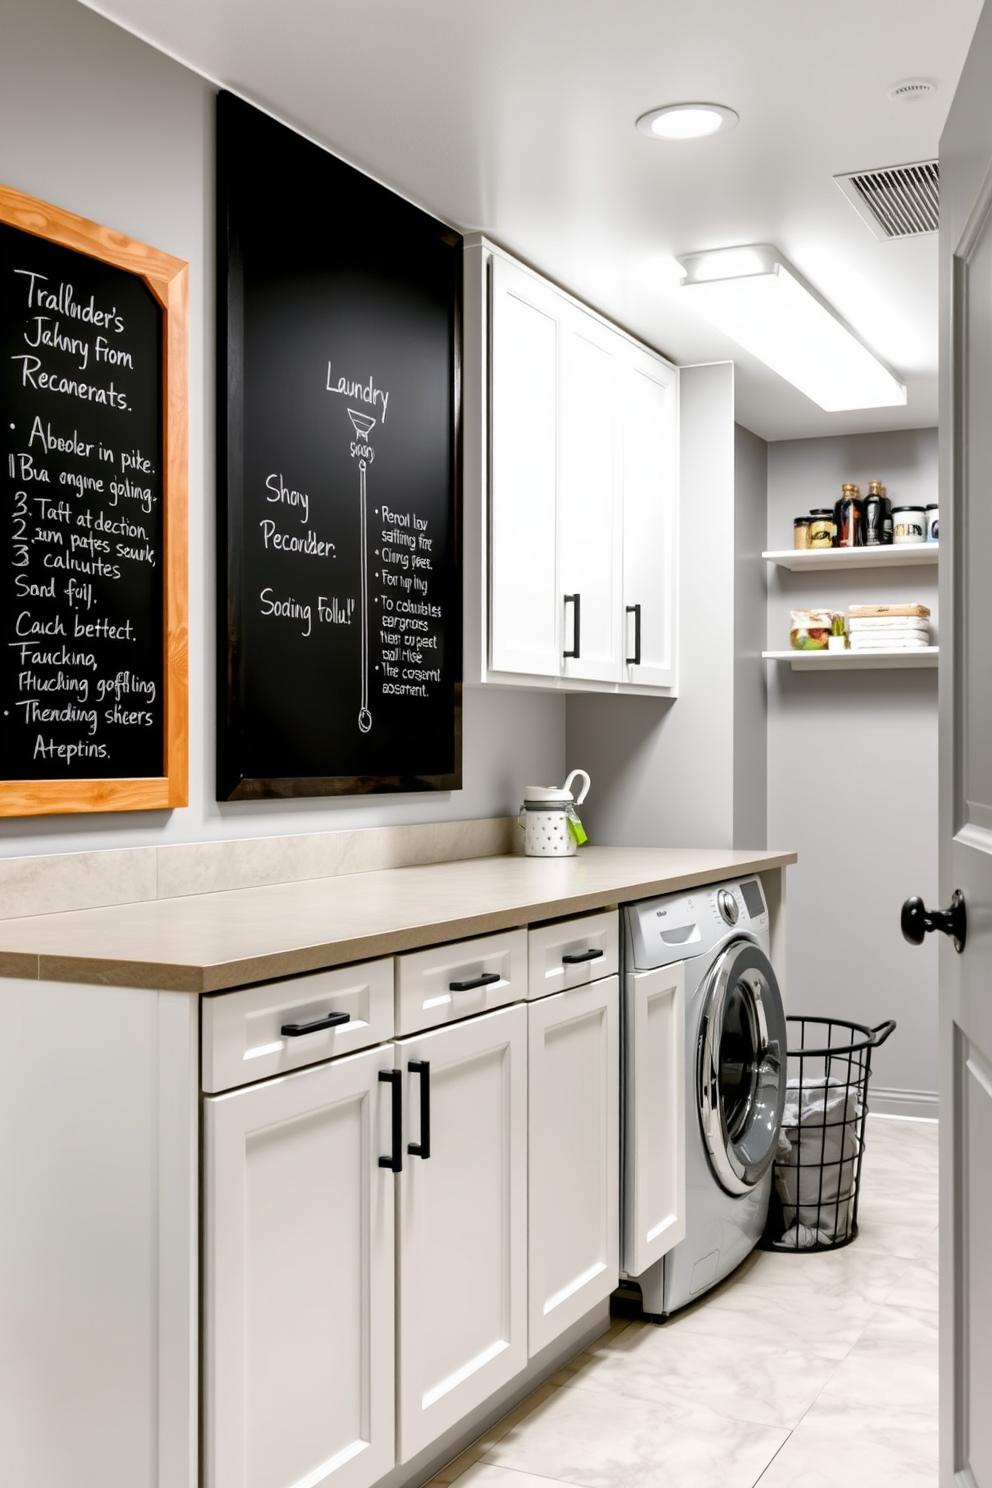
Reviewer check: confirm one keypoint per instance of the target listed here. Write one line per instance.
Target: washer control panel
(676, 927)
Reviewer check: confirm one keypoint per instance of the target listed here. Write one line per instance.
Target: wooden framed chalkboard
(93, 602)
(339, 586)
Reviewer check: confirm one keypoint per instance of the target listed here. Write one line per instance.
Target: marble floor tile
(787, 1317)
(887, 1374)
(850, 1272)
(746, 1378)
(915, 1286)
(488, 1475)
(897, 1324)
(596, 1439)
(840, 1446)
(895, 1229)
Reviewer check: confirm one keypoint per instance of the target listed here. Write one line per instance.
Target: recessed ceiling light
(678, 121)
(912, 90)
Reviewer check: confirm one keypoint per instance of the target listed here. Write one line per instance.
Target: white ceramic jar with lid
(549, 819)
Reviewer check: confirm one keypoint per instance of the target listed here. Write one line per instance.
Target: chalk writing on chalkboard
(81, 613)
(340, 580)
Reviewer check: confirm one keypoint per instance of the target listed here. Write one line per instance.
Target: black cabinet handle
(331, 1020)
(395, 1158)
(917, 921)
(574, 957)
(485, 980)
(635, 610)
(422, 1149)
(576, 600)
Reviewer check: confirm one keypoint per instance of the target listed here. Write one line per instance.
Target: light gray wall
(96, 122)
(662, 772)
(750, 599)
(852, 770)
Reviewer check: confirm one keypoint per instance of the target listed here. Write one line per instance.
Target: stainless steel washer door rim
(742, 1066)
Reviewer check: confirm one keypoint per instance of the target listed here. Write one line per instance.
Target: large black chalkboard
(82, 662)
(340, 584)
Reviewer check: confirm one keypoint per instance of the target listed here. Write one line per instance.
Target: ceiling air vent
(898, 201)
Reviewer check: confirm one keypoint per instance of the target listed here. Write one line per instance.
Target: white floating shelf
(898, 555)
(854, 661)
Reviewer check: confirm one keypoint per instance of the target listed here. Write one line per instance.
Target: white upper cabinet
(589, 511)
(571, 491)
(524, 464)
(649, 417)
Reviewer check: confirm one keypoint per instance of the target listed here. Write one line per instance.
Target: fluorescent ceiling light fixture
(679, 121)
(756, 297)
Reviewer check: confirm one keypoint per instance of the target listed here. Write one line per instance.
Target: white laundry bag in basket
(817, 1161)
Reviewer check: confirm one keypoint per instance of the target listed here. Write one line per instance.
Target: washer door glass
(742, 1066)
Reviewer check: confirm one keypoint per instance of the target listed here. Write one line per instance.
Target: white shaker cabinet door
(298, 1279)
(574, 1108)
(589, 502)
(654, 1116)
(461, 1221)
(524, 599)
(649, 422)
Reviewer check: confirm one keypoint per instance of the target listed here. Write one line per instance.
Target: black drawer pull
(574, 957)
(331, 1020)
(422, 1149)
(485, 980)
(395, 1158)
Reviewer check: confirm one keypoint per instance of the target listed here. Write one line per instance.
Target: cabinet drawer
(453, 981)
(571, 952)
(243, 1038)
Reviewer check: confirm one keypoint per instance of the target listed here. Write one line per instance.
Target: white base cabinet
(461, 1221)
(298, 1262)
(654, 1116)
(574, 1198)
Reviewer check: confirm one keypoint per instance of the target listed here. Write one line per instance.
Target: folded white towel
(896, 643)
(886, 627)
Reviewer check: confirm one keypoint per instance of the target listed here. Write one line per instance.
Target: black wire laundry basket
(814, 1204)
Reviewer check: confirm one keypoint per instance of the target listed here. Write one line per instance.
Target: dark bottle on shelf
(873, 514)
(847, 514)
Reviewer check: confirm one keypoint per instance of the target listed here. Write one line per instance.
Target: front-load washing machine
(734, 1075)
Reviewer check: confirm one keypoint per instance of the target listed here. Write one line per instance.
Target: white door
(589, 500)
(649, 424)
(524, 601)
(461, 1221)
(298, 1279)
(966, 775)
(654, 1116)
(574, 1146)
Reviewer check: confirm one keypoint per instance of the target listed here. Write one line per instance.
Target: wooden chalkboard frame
(236, 120)
(167, 278)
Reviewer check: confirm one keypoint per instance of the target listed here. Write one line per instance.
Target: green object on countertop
(576, 828)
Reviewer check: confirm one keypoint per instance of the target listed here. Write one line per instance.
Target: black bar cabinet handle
(395, 1158)
(485, 980)
(574, 957)
(576, 600)
(330, 1020)
(422, 1149)
(635, 610)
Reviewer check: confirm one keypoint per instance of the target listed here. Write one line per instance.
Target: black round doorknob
(917, 921)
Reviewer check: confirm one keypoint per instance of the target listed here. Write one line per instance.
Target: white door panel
(524, 623)
(589, 504)
(649, 421)
(654, 1112)
(298, 1280)
(573, 1213)
(462, 1222)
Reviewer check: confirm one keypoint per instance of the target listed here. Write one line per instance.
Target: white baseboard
(915, 1105)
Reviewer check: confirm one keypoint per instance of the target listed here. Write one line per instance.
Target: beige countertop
(208, 942)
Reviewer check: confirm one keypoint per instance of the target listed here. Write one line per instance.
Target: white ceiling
(518, 118)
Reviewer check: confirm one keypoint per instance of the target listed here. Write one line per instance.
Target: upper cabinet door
(589, 505)
(525, 607)
(649, 421)
(298, 1279)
